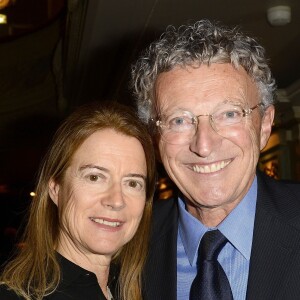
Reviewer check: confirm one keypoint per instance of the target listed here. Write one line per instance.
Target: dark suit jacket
(275, 257)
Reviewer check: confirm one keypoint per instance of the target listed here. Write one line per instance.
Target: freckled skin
(211, 197)
(100, 183)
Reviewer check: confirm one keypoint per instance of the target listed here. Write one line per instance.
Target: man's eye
(179, 121)
(230, 114)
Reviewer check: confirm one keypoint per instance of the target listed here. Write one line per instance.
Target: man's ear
(53, 191)
(266, 126)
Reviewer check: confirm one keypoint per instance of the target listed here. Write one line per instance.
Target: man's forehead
(208, 85)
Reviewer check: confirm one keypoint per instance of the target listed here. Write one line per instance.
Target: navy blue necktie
(211, 282)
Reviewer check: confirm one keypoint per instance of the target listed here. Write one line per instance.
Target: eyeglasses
(181, 126)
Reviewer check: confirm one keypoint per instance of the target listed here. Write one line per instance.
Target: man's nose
(205, 139)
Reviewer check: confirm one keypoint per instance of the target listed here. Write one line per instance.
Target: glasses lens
(227, 115)
(178, 128)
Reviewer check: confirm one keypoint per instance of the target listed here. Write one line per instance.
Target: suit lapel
(271, 257)
(274, 249)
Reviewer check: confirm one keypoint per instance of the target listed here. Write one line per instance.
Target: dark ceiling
(57, 55)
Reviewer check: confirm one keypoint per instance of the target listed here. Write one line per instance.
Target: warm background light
(3, 19)
(4, 3)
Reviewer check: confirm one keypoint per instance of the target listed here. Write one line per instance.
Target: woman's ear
(53, 191)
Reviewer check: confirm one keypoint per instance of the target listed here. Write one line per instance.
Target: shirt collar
(237, 227)
(71, 272)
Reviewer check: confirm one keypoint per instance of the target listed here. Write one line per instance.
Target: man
(208, 93)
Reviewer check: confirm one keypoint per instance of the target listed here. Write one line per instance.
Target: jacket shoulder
(164, 217)
(280, 198)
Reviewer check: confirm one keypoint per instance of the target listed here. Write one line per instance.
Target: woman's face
(103, 194)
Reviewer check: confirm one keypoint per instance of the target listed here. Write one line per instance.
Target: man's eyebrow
(91, 166)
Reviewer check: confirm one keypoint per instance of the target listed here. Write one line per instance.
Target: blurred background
(56, 55)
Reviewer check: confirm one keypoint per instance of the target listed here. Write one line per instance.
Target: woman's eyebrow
(136, 175)
(91, 166)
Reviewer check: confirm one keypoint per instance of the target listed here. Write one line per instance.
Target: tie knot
(211, 244)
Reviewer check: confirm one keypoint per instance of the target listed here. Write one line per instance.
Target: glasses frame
(246, 112)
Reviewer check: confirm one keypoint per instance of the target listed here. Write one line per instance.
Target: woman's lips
(111, 223)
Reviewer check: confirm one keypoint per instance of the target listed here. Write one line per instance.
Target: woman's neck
(95, 263)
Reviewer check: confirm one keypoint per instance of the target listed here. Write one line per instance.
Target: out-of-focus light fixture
(3, 19)
(4, 3)
(279, 15)
(32, 194)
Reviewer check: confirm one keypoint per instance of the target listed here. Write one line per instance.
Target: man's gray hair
(204, 42)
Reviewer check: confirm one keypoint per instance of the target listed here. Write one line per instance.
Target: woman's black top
(76, 284)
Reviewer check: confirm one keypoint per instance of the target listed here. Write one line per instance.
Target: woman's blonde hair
(34, 272)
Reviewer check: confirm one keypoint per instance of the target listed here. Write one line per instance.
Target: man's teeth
(101, 221)
(211, 168)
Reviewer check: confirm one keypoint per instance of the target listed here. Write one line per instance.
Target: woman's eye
(93, 177)
(135, 184)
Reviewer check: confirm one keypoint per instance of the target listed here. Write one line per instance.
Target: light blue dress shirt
(234, 257)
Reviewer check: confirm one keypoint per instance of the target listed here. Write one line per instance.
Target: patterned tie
(211, 282)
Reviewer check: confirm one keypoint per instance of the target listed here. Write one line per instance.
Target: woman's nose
(114, 198)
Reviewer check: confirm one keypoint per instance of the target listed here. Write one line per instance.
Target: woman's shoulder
(6, 294)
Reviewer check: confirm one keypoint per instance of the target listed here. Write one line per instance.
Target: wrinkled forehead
(204, 86)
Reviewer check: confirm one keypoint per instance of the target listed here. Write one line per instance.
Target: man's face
(103, 194)
(211, 170)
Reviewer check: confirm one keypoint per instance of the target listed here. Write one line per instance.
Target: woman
(92, 210)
